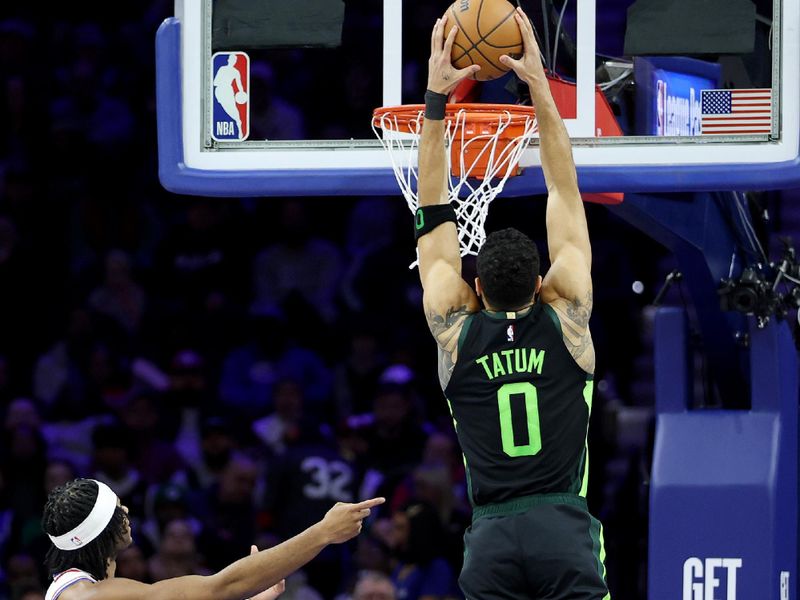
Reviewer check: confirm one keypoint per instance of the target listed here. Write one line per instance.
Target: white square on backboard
(784, 585)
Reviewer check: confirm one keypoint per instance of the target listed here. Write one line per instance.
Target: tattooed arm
(574, 317)
(567, 287)
(447, 300)
(446, 329)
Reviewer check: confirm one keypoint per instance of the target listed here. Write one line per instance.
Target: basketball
(241, 97)
(486, 30)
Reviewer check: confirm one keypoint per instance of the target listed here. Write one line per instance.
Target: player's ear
(478, 288)
(538, 285)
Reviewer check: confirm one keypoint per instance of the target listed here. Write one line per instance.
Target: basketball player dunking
(88, 526)
(518, 374)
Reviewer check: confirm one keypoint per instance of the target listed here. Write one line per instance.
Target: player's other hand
(528, 68)
(343, 521)
(443, 77)
(270, 593)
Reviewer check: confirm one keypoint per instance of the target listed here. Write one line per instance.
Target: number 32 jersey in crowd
(521, 406)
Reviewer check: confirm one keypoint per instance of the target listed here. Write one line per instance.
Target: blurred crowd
(231, 368)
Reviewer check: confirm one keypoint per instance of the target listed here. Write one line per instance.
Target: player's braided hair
(508, 266)
(67, 506)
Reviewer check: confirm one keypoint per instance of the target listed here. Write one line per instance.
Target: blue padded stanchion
(723, 501)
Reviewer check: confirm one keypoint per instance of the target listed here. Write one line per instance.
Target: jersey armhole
(68, 585)
(464, 329)
(553, 317)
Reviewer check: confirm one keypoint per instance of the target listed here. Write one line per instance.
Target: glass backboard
(656, 96)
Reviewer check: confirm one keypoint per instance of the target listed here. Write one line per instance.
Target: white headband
(93, 525)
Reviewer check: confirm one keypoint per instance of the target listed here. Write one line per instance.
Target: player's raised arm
(567, 287)
(106, 526)
(447, 297)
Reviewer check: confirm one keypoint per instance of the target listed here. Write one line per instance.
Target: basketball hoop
(486, 142)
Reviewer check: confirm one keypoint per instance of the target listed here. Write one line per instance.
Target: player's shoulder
(571, 318)
(77, 590)
(573, 312)
(119, 587)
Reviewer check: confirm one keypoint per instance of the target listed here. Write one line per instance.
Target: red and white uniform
(65, 579)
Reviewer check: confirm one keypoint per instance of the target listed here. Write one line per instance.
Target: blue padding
(713, 485)
(724, 482)
(177, 177)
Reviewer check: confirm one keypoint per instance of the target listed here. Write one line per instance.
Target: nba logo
(230, 98)
(661, 107)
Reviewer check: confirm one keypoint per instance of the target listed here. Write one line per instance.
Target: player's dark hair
(67, 506)
(508, 267)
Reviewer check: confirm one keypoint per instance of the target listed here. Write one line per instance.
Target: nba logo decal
(230, 96)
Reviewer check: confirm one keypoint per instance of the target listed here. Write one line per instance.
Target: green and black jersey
(521, 406)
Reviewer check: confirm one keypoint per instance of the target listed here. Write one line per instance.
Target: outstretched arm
(447, 299)
(567, 287)
(247, 576)
(272, 592)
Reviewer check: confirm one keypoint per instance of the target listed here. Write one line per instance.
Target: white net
(493, 151)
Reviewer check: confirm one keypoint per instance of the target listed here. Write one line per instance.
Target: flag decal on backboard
(729, 112)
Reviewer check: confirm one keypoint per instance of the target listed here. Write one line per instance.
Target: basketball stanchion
(485, 144)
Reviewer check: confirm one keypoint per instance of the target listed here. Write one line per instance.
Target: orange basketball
(486, 30)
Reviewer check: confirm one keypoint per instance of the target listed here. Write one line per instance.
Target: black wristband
(435, 105)
(428, 218)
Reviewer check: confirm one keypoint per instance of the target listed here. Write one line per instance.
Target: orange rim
(400, 118)
(475, 123)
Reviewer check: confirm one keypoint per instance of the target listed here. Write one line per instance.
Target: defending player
(88, 526)
(517, 375)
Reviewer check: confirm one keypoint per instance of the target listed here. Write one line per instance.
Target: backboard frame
(191, 163)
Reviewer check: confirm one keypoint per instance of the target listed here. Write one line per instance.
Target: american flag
(726, 112)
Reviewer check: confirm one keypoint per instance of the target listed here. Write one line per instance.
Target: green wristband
(428, 218)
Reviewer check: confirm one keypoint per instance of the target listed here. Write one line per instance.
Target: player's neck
(519, 309)
(111, 569)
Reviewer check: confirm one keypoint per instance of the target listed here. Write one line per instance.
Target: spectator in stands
(152, 452)
(299, 269)
(170, 502)
(286, 424)
(70, 377)
(395, 438)
(113, 465)
(119, 296)
(177, 553)
(251, 372)
(132, 564)
(230, 515)
(356, 377)
(207, 461)
(374, 585)
(58, 472)
(420, 571)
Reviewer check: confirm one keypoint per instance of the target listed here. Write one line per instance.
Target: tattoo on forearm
(446, 329)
